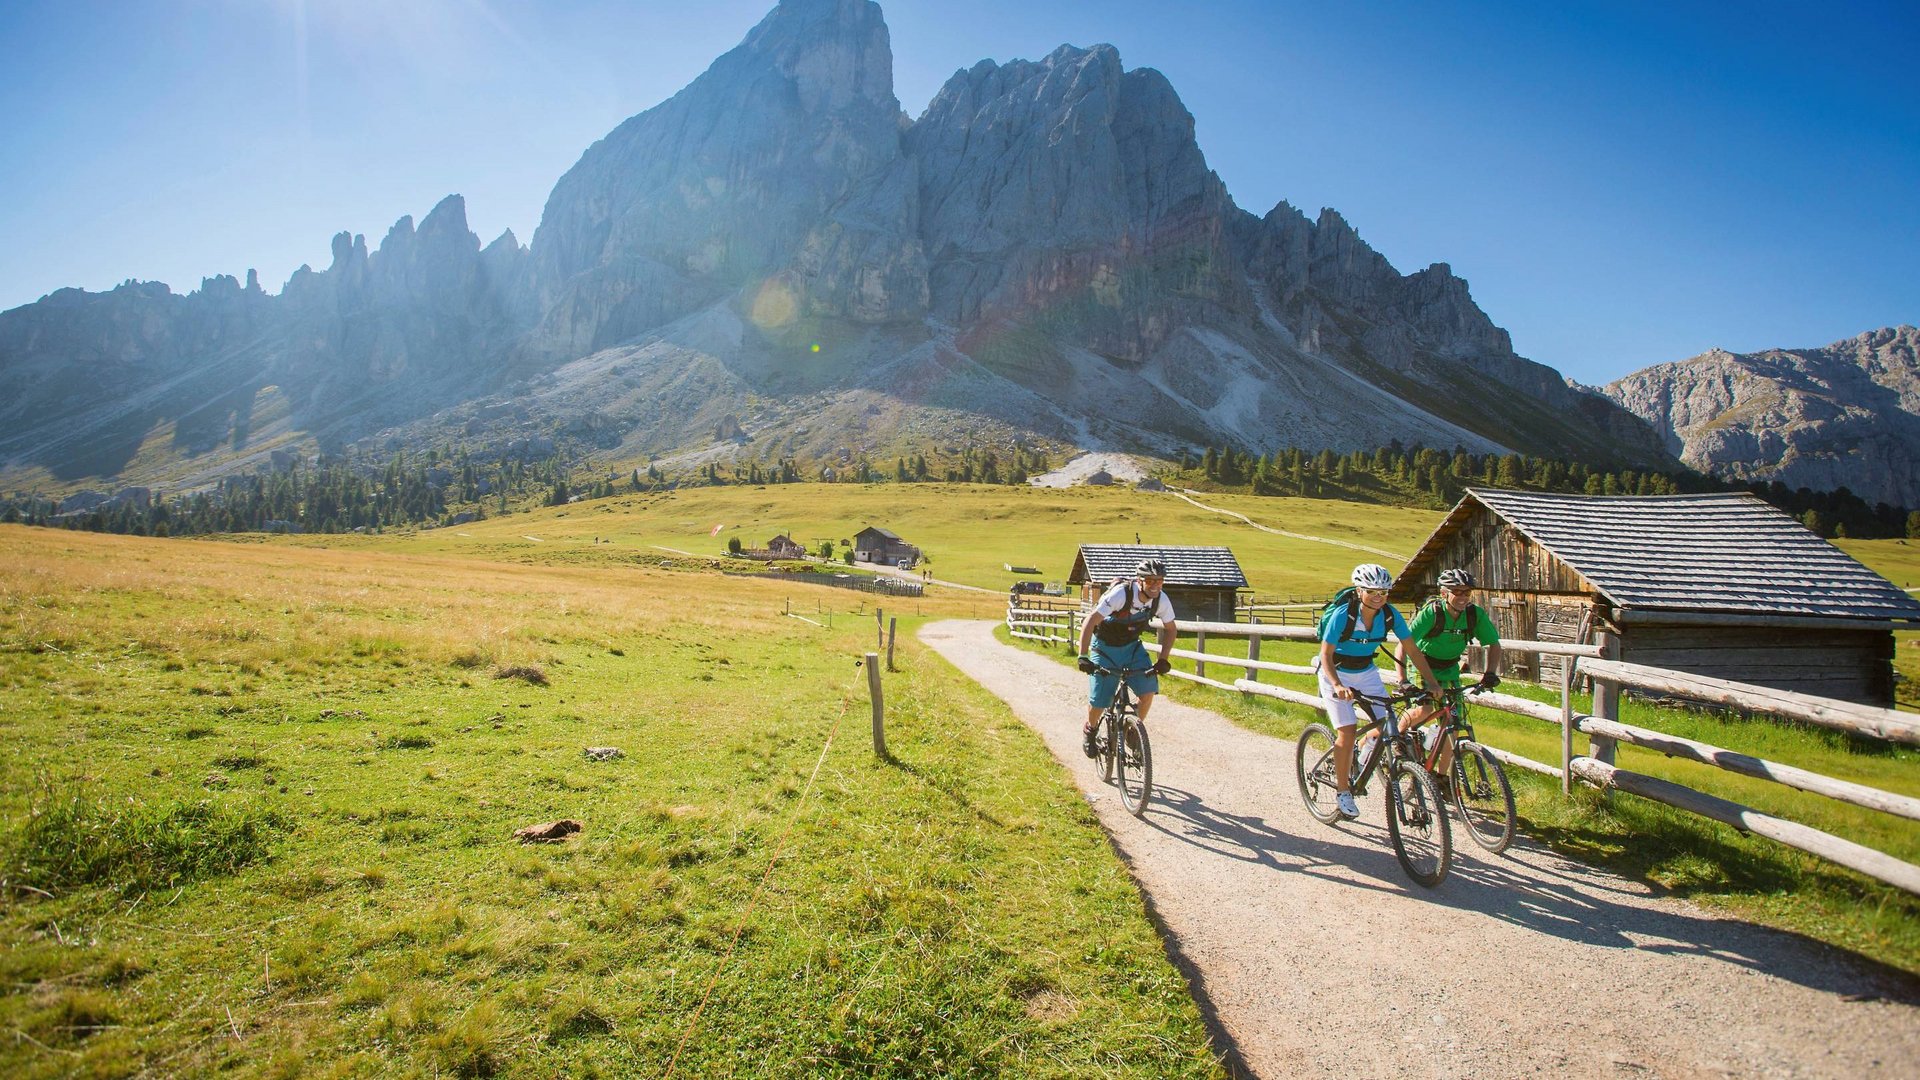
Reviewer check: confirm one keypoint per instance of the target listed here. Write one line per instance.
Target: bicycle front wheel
(1482, 796)
(1417, 824)
(1135, 761)
(1313, 766)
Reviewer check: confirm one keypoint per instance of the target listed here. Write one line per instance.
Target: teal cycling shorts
(1101, 688)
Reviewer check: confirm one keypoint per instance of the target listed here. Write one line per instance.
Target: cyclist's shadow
(1248, 838)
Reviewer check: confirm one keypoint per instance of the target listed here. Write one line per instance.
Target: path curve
(1516, 965)
(1188, 493)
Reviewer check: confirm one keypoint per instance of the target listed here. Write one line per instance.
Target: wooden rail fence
(1597, 661)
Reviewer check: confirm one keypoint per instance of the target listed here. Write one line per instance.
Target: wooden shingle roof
(1729, 553)
(1205, 567)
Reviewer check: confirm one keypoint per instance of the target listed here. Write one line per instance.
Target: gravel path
(1313, 954)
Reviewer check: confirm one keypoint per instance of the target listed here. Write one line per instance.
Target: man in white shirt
(1117, 622)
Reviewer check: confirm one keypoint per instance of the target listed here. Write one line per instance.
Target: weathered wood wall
(1851, 665)
(1202, 605)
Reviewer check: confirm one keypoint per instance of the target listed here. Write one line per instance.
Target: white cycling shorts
(1363, 682)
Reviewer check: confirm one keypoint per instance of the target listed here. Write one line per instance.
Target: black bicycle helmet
(1150, 568)
(1456, 579)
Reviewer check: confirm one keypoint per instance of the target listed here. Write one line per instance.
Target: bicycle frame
(1390, 741)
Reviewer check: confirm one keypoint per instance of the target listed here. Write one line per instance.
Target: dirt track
(1314, 955)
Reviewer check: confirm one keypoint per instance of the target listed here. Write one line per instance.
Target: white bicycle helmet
(1371, 576)
(1456, 579)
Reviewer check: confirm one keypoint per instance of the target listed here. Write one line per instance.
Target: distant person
(1350, 634)
(1117, 621)
(1442, 630)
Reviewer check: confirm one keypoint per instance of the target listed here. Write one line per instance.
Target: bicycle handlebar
(1125, 672)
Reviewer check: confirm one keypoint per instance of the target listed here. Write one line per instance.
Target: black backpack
(1121, 633)
(1469, 620)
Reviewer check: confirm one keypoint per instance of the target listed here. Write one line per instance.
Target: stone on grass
(549, 832)
(603, 753)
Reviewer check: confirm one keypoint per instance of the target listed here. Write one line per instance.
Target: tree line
(1437, 478)
(334, 494)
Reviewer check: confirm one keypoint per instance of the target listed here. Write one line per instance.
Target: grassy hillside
(970, 530)
(257, 808)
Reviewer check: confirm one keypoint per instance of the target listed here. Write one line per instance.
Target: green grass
(1685, 855)
(347, 899)
(970, 530)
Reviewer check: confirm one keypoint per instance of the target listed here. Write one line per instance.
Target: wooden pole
(879, 707)
(890, 627)
(1200, 646)
(879, 631)
(1566, 724)
(1253, 655)
(1746, 765)
(1875, 864)
(1606, 696)
(1845, 716)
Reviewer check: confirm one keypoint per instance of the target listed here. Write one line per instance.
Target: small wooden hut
(876, 545)
(1717, 584)
(1202, 582)
(786, 547)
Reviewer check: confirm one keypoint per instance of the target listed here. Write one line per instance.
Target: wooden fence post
(1200, 645)
(879, 630)
(879, 707)
(890, 626)
(1253, 653)
(1566, 725)
(1606, 698)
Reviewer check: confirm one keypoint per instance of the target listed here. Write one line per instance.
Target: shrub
(530, 673)
(70, 840)
(406, 742)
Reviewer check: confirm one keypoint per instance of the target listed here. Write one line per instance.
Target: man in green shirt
(1441, 632)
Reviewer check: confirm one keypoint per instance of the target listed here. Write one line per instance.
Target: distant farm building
(876, 545)
(1202, 582)
(786, 547)
(1717, 584)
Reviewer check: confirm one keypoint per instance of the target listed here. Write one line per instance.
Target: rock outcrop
(1845, 415)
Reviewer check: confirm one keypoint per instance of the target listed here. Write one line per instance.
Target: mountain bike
(1123, 749)
(1473, 778)
(1416, 821)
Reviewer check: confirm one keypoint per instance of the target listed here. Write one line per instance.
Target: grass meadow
(970, 531)
(257, 806)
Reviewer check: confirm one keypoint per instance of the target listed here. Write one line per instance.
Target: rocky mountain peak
(836, 52)
(1842, 415)
(720, 185)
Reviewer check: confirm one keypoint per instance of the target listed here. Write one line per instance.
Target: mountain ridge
(1043, 254)
(1846, 414)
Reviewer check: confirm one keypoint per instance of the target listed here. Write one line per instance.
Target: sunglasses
(1372, 592)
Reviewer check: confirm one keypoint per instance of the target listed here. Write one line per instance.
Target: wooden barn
(1202, 582)
(1718, 584)
(786, 547)
(877, 545)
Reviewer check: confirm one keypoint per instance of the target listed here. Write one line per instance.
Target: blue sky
(1622, 184)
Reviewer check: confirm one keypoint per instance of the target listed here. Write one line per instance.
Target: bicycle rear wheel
(1313, 767)
(1135, 759)
(1417, 824)
(1482, 796)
